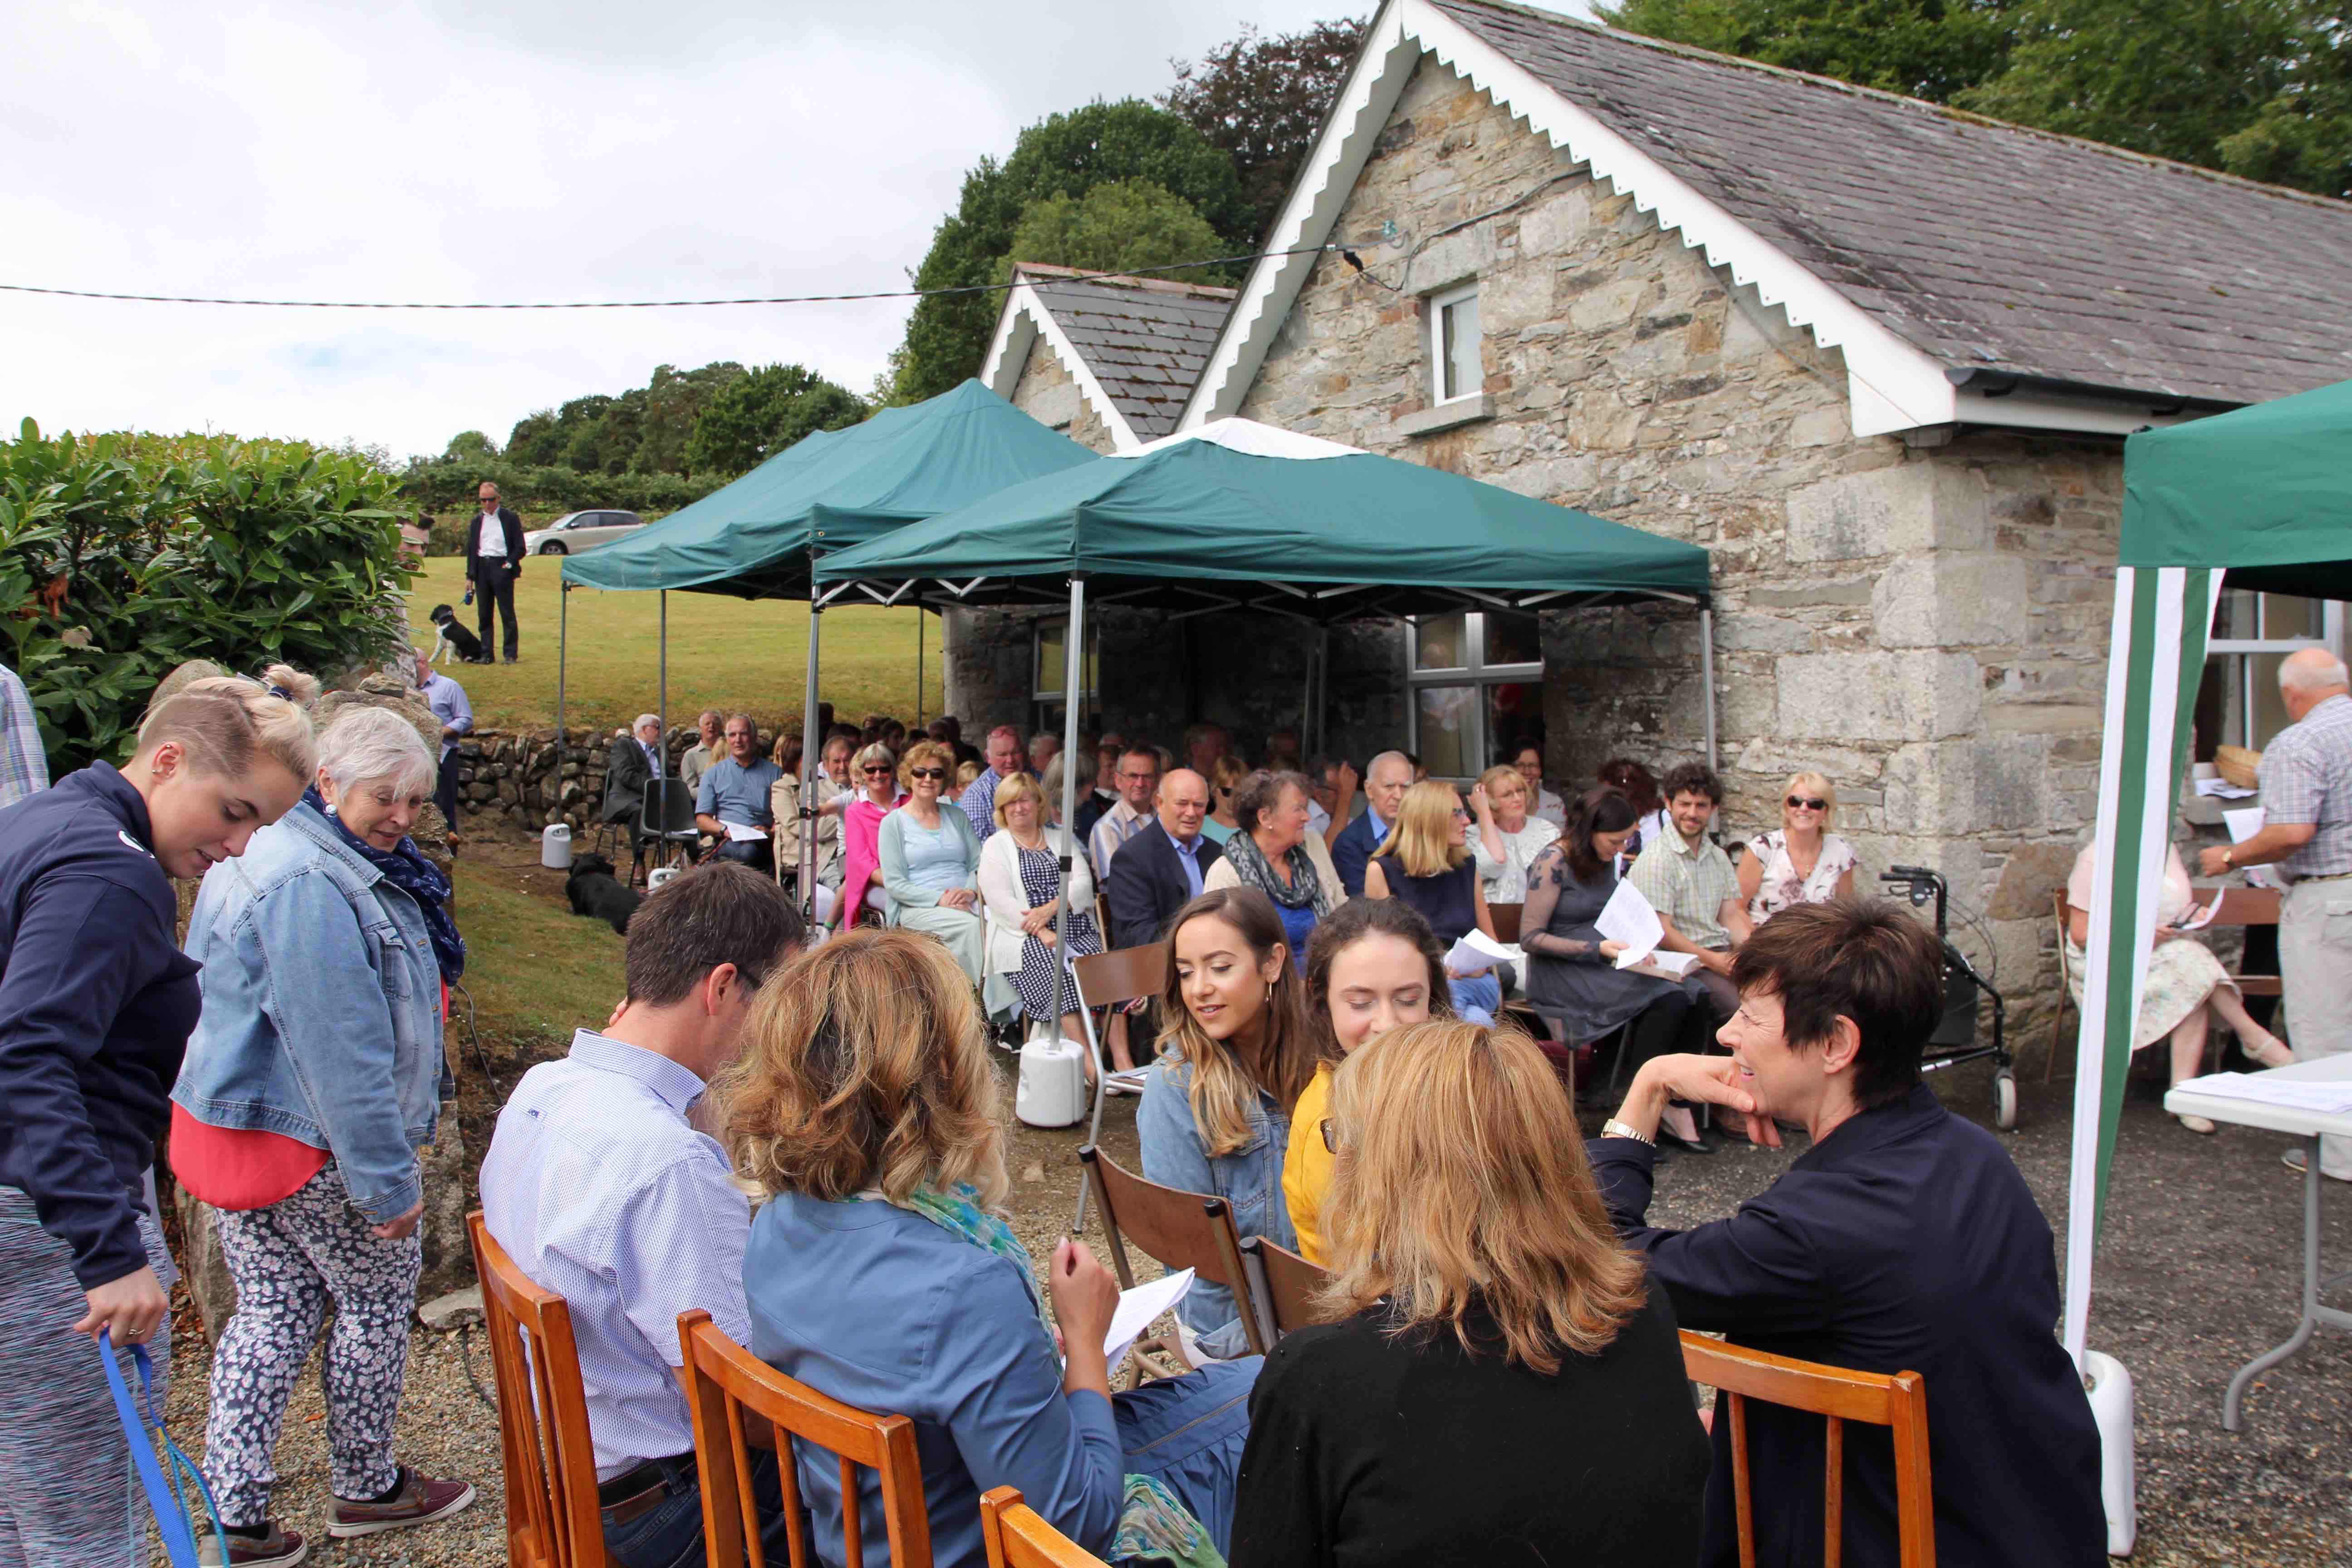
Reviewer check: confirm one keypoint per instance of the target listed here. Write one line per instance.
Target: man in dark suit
(1385, 783)
(629, 772)
(493, 562)
(1903, 1239)
(1154, 873)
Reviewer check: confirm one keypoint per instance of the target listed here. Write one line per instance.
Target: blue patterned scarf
(407, 870)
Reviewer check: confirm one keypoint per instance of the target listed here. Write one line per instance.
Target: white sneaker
(2294, 1161)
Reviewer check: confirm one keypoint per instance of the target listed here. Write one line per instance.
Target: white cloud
(537, 150)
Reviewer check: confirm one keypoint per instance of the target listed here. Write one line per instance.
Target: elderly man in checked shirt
(601, 1189)
(2306, 791)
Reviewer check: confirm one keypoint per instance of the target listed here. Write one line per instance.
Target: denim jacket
(323, 1009)
(1249, 1179)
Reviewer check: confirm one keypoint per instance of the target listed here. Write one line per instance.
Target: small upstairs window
(1453, 363)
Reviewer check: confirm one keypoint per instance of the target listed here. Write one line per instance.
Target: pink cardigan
(861, 854)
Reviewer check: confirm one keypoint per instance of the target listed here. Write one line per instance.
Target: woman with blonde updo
(1481, 1317)
(96, 1003)
(865, 1103)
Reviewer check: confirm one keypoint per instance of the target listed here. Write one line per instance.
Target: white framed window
(1049, 639)
(2238, 701)
(1473, 689)
(1456, 370)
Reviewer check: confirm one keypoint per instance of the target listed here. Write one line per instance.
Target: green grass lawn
(533, 966)
(724, 653)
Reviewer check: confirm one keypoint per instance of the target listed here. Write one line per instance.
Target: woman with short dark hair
(1274, 853)
(1902, 1239)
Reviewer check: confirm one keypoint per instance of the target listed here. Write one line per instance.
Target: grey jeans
(2316, 974)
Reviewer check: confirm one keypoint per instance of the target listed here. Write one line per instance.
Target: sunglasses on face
(882, 772)
(927, 772)
(1810, 802)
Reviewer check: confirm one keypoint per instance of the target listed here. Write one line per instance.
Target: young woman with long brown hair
(1496, 1382)
(1236, 1049)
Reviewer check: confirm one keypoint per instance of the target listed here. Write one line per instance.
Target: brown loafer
(421, 1499)
(278, 1549)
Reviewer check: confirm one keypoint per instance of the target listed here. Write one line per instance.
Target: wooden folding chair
(723, 1380)
(1505, 919)
(1897, 1401)
(1017, 1536)
(1176, 1229)
(1283, 1284)
(553, 1518)
(1106, 980)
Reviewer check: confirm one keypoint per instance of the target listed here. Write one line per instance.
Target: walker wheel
(2004, 1100)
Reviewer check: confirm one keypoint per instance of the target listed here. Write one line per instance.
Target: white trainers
(2294, 1161)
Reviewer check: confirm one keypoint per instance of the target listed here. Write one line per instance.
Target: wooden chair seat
(1176, 1229)
(1017, 1536)
(1896, 1401)
(552, 1517)
(723, 1380)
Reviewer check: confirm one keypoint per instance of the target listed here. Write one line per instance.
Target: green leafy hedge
(122, 556)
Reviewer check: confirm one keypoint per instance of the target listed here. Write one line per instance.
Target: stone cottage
(1877, 357)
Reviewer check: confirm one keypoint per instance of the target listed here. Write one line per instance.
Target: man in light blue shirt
(978, 798)
(602, 1190)
(447, 700)
(739, 788)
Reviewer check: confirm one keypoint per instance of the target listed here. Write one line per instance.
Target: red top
(233, 1168)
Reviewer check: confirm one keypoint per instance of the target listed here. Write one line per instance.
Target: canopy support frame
(813, 769)
(1706, 679)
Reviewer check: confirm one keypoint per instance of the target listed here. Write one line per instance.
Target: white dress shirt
(492, 543)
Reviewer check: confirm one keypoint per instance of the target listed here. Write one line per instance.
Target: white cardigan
(1004, 902)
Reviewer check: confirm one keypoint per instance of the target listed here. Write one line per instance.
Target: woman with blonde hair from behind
(1496, 1382)
(1425, 862)
(882, 1273)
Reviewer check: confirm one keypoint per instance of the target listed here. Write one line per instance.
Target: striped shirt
(1688, 886)
(2306, 776)
(601, 1192)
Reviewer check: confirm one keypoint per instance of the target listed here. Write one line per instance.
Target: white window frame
(2242, 671)
(1477, 674)
(1040, 699)
(1434, 307)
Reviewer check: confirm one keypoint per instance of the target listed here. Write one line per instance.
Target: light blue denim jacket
(323, 1009)
(1249, 1179)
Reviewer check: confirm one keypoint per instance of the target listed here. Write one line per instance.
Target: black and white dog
(594, 891)
(456, 642)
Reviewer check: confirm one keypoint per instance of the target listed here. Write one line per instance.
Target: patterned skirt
(2181, 973)
(1040, 879)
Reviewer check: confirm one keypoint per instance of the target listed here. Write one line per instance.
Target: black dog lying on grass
(594, 891)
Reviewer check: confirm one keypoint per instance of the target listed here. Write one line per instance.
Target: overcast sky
(516, 151)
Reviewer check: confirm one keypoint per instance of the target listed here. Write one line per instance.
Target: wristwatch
(1612, 1128)
(2227, 850)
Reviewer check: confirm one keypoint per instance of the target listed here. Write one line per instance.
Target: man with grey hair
(2306, 791)
(1385, 783)
(704, 751)
(493, 562)
(630, 769)
(734, 802)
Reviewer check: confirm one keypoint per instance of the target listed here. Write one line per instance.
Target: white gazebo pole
(563, 642)
(1074, 644)
(662, 706)
(811, 770)
(1706, 678)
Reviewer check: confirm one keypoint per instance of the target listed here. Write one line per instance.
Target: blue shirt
(1188, 855)
(733, 792)
(447, 700)
(1249, 1180)
(881, 1309)
(600, 1191)
(978, 802)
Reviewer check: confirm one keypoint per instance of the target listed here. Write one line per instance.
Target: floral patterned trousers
(288, 1260)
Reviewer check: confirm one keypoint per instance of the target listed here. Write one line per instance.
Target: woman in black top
(1425, 862)
(96, 1003)
(1500, 1385)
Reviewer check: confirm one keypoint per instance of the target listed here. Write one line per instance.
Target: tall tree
(1922, 48)
(1067, 155)
(1261, 100)
(1122, 226)
(759, 412)
(674, 401)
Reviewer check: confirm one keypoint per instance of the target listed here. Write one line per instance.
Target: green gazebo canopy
(833, 489)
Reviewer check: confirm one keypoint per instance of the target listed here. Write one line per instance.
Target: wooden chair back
(1017, 1536)
(1897, 1401)
(552, 1517)
(1506, 918)
(723, 1380)
(1282, 1282)
(2240, 907)
(1177, 1229)
(1106, 979)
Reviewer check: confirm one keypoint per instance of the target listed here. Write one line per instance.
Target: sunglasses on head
(1810, 802)
(927, 772)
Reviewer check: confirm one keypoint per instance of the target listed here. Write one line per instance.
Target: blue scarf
(407, 870)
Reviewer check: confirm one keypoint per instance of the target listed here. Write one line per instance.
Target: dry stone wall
(512, 774)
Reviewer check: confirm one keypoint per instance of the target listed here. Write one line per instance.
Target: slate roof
(1983, 245)
(1146, 340)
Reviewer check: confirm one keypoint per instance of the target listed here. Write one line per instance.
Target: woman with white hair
(312, 1079)
(1801, 861)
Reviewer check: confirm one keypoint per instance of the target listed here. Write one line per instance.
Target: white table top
(2274, 1118)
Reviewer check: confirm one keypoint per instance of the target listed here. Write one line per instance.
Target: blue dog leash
(173, 1519)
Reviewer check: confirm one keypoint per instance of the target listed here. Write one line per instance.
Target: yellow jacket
(1306, 1166)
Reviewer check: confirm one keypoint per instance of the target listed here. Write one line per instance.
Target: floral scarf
(407, 870)
(1304, 888)
(1153, 1526)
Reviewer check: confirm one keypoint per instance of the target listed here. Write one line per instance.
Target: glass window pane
(1514, 719)
(1442, 642)
(1512, 638)
(1449, 715)
(1458, 330)
(2234, 618)
(2286, 616)
(1049, 657)
(2270, 715)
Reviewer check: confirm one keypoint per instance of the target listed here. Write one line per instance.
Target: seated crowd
(1497, 1300)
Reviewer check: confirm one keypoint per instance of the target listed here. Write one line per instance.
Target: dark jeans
(1681, 1020)
(760, 854)
(494, 586)
(445, 790)
(1722, 995)
(670, 1536)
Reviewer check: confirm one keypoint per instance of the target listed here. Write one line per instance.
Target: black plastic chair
(667, 821)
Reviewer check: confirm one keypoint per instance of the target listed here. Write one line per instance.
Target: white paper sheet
(1137, 1311)
(744, 833)
(1628, 918)
(1477, 951)
(2244, 822)
(2203, 914)
(1663, 965)
(2326, 1098)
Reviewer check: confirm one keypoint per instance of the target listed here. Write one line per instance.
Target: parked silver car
(578, 530)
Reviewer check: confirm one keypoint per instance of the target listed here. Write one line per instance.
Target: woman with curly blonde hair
(1493, 1382)
(882, 1272)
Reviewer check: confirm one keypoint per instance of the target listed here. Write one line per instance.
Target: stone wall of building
(1049, 393)
(1924, 623)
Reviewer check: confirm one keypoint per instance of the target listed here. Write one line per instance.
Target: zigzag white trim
(1891, 385)
(1018, 325)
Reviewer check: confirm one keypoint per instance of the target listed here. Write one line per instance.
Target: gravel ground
(2199, 1273)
